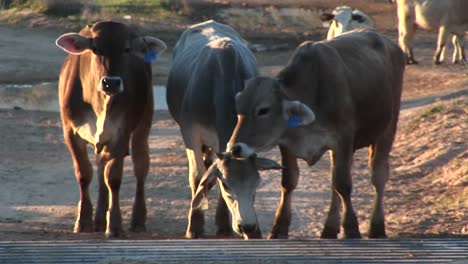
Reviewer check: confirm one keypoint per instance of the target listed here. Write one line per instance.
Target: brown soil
(427, 194)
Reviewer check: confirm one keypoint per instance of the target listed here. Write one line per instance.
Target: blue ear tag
(151, 56)
(294, 121)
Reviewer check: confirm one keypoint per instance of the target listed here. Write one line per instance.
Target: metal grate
(238, 251)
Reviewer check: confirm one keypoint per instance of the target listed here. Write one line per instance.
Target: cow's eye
(127, 50)
(263, 111)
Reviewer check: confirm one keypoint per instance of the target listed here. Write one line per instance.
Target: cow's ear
(358, 17)
(297, 113)
(209, 179)
(73, 43)
(149, 48)
(327, 16)
(266, 164)
(155, 44)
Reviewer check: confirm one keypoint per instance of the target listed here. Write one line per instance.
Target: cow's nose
(247, 229)
(111, 85)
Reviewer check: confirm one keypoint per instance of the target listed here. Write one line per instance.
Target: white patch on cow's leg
(113, 178)
(458, 50)
(441, 42)
(196, 170)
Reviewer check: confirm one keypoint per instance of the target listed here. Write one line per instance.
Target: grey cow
(338, 95)
(211, 63)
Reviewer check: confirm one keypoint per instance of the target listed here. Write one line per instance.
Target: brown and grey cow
(106, 101)
(448, 16)
(338, 95)
(211, 64)
(238, 179)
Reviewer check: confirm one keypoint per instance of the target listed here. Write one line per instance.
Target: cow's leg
(441, 42)
(141, 163)
(341, 181)
(332, 224)
(223, 220)
(100, 223)
(113, 178)
(222, 217)
(458, 49)
(84, 174)
(379, 154)
(196, 170)
(290, 176)
(405, 40)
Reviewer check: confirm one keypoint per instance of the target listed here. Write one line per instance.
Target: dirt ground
(427, 194)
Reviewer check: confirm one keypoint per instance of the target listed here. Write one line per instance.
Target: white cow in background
(448, 16)
(346, 18)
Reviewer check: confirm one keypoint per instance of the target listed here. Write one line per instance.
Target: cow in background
(106, 101)
(211, 63)
(345, 18)
(448, 16)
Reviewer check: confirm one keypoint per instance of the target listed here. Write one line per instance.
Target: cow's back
(356, 78)
(374, 69)
(210, 63)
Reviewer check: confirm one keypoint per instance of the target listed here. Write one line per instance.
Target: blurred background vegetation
(88, 10)
(289, 20)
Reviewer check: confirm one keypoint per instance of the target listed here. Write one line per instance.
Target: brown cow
(106, 100)
(338, 95)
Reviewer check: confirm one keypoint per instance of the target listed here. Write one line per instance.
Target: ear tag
(294, 121)
(151, 56)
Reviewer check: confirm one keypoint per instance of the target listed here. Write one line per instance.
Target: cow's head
(345, 18)
(110, 48)
(264, 114)
(238, 179)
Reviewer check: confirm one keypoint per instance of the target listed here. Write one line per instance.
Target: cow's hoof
(99, 226)
(192, 235)
(114, 233)
(329, 234)
(83, 228)
(353, 235)
(257, 234)
(224, 232)
(138, 228)
(377, 230)
(377, 236)
(277, 236)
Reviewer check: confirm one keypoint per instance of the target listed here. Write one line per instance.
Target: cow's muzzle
(110, 85)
